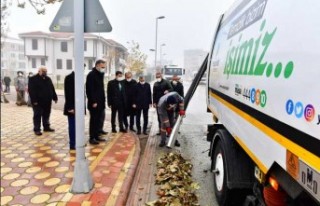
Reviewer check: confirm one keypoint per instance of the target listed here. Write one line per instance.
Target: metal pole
(82, 180)
(155, 48)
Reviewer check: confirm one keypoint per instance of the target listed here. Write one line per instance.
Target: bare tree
(136, 59)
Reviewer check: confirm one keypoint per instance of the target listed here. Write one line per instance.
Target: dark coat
(41, 90)
(178, 88)
(130, 88)
(69, 94)
(95, 90)
(116, 97)
(159, 88)
(143, 96)
(7, 80)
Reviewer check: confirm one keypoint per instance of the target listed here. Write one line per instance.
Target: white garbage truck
(263, 75)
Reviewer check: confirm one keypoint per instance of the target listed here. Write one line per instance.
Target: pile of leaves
(176, 187)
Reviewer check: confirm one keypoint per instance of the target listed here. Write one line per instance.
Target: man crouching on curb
(167, 106)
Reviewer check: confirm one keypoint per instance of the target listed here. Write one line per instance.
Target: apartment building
(56, 51)
(12, 57)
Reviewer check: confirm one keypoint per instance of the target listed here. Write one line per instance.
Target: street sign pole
(82, 180)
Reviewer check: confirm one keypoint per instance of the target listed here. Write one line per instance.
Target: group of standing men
(125, 97)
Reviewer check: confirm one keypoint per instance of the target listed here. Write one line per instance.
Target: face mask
(158, 79)
(101, 70)
(142, 83)
(129, 80)
(174, 82)
(119, 78)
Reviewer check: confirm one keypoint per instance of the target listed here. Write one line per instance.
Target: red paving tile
(105, 173)
(98, 198)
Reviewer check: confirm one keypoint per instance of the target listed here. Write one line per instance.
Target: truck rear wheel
(220, 174)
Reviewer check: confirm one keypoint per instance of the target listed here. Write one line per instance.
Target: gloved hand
(182, 112)
(169, 130)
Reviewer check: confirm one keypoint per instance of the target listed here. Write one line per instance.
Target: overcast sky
(188, 24)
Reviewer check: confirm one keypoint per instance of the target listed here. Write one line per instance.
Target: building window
(90, 64)
(22, 65)
(64, 46)
(21, 48)
(33, 63)
(12, 46)
(69, 64)
(85, 45)
(34, 44)
(21, 56)
(43, 61)
(13, 55)
(59, 63)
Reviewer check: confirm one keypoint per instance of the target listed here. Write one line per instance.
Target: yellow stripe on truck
(308, 157)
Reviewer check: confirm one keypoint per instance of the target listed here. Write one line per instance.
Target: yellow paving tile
(19, 159)
(52, 164)
(52, 151)
(69, 174)
(29, 190)
(33, 169)
(30, 151)
(52, 181)
(25, 164)
(6, 199)
(36, 155)
(62, 188)
(42, 175)
(2, 164)
(38, 199)
(12, 155)
(19, 183)
(11, 176)
(1, 189)
(6, 151)
(5, 170)
(60, 155)
(62, 169)
(45, 148)
(44, 159)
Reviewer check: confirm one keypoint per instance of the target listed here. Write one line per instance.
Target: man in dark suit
(96, 99)
(130, 86)
(160, 88)
(69, 108)
(142, 102)
(42, 93)
(116, 101)
(177, 85)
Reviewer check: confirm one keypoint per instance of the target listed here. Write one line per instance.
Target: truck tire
(225, 196)
(219, 174)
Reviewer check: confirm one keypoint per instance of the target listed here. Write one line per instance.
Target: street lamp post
(156, 43)
(161, 53)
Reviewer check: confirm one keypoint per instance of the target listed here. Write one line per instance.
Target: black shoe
(139, 132)
(38, 133)
(145, 133)
(102, 132)
(93, 141)
(162, 144)
(132, 129)
(176, 143)
(48, 129)
(99, 139)
(158, 133)
(72, 147)
(123, 130)
(114, 131)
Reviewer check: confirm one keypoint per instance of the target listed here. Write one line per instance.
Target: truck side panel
(263, 84)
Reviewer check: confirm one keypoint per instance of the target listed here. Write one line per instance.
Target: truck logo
(247, 57)
(298, 110)
(249, 17)
(309, 113)
(289, 106)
